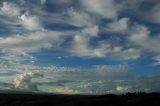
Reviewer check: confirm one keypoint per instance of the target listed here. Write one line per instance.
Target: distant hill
(129, 99)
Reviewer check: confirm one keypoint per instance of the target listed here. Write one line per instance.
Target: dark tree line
(128, 99)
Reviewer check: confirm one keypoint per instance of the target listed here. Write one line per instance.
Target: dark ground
(129, 99)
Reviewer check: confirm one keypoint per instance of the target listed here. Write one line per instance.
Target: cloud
(38, 78)
(103, 29)
(81, 39)
(145, 9)
(157, 60)
(64, 91)
(12, 59)
(105, 8)
(139, 34)
(129, 54)
(149, 83)
(97, 79)
(79, 18)
(31, 42)
(82, 44)
(154, 14)
(43, 1)
(83, 47)
(23, 82)
(123, 89)
(18, 19)
(141, 37)
(10, 9)
(30, 22)
(120, 25)
(84, 74)
(96, 87)
(139, 84)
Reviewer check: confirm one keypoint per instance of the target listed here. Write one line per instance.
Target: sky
(80, 46)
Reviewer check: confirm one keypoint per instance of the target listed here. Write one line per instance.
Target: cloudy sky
(80, 46)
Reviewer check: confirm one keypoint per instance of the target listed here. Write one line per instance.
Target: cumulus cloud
(30, 22)
(139, 34)
(141, 37)
(82, 46)
(9, 9)
(23, 82)
(121, 25)
(17, 20)
(31, 42)
(123, 89)
(82, 40)
(105, 8)
(129, 54)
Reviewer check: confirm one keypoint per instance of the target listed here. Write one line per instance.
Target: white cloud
(129, 54)
(141, 37)
(43, 1)
(90, 31)
(123, 89)
(104, 8)
(14, 16)
(34, 41)
(9, 9)
(139, 34)
(79, 18)
(157, 60)
(23, 82)
(82, 45)
(31, 42)
(121, 25)
(30, 22)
